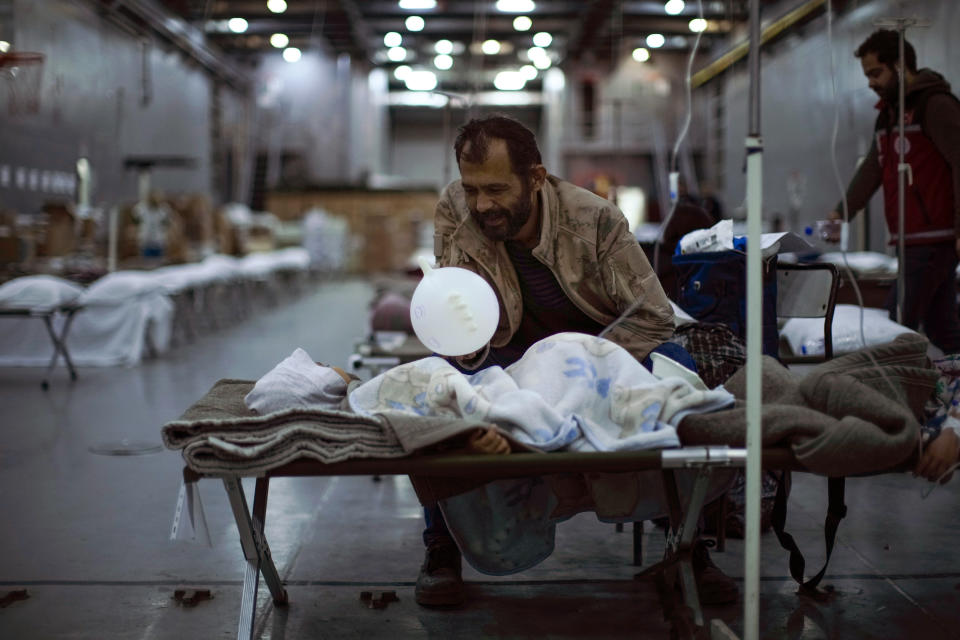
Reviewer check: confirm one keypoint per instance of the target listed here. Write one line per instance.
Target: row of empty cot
(127, 315)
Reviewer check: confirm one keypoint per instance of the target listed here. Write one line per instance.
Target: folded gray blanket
(219, 435)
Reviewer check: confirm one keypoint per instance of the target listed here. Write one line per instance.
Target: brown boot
(713, 585)
(439, 583)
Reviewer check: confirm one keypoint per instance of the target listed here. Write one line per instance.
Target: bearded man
(559, 258)
(932, 192)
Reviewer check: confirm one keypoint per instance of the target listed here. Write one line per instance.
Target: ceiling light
(443, 47)
(279, 40)
(418, 4)
(522, 23)
(421, 80)
(443, 61)
(237, 25)
(640, 54)
(536, 52)
(509, 81)
(655, 40)
(542, 39)
(392, 39)
(543, 62)
(491, 47)
(529, 71)
(553, 80)
(515, 6)
(277, 6)
(396, 54)
(674, 7)
(291, 54)
(698, 25)
(414, 23)
(401, 72)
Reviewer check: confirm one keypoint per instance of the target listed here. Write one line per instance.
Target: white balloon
(454, 311)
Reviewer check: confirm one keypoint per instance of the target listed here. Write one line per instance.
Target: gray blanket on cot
(841, 418)
(219, 435)
(844, 417)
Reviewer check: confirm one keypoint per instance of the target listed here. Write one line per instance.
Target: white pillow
(121, 286)
(38, 293)
(805, 335)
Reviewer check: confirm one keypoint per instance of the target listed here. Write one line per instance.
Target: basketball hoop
(22, 73)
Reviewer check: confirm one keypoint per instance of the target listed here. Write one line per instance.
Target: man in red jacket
(932, 197)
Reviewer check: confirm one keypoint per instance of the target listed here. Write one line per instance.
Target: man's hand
(939, 456)
(471, 360)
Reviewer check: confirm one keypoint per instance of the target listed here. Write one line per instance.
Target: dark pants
(436, 531)
(930, 297)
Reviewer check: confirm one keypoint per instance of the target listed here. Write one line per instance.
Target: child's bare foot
(488, 441)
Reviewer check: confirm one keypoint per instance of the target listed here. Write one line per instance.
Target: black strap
(836, 510)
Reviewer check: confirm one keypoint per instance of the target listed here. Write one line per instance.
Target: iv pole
(903, 169)
(754, 149)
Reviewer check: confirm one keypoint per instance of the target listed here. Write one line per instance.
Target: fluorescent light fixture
(655, 40)
(536, 52)
(443, 61)
(416, 99)
(542, 39)
(392, 39)
(554, 80)
(543, 62)
(396, 54)
(641, 54)
(529, 71)
(276, 6)
(509, 81)
(279, 40)
(443, 47)
(291, 54)
(401, 72)
(414, 23)
(421, 80)
(417, 4)
(698, 25)
(491, 47)
(522, 23)
(515, 6)
(237, 25)
(674, 7)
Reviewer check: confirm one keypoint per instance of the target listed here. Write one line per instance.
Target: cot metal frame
(684, 511)
(59, 340)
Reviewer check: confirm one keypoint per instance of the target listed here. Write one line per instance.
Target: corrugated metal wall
(108, 95)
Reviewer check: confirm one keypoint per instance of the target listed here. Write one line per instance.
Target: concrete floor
(87, 534)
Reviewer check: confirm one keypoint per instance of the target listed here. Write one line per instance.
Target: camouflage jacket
(585, 242)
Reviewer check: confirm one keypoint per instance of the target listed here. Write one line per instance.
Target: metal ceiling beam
(179, 33)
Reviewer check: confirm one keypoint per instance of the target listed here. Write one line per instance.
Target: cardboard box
(59, 234)
(386, 222)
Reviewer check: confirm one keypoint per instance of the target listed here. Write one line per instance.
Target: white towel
(297, 381)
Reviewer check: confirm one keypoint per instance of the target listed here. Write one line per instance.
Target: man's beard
(891, 93)
(509, 221)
